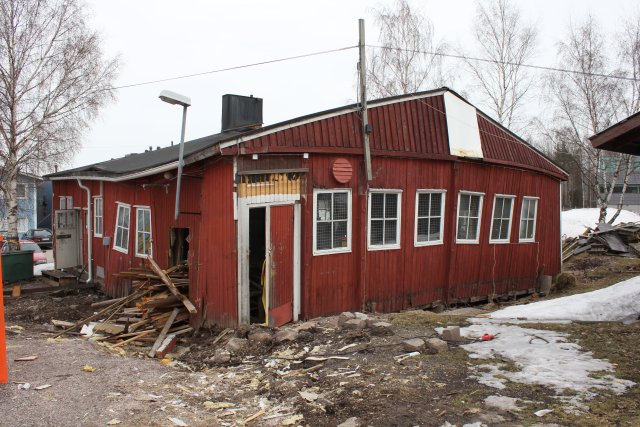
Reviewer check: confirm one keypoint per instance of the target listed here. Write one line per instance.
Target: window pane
(423, 205)
(464, 204)
(125, 221)
(506, 208)
(530, 229)
(377, 205)
(324, 207)
(474, 208)
(391, 206)
(390, 227)
(340, 204)
(463, 227)
(473, 229)
(323, 237)
(376, 232)
(340, 234)
(495, 231)
(436, 204)
(434, 229)
(140, 248)
(523, 229)
(423, 230)
(504, 229)
(497, 209)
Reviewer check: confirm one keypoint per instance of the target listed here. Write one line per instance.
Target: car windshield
(30, 247)
(41, 233)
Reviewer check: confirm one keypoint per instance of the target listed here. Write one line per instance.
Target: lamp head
(175, 98)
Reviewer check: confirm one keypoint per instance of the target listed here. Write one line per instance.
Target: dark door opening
(257, 253)
(178, 246)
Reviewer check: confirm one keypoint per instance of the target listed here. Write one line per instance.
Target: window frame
(339, 250)
(419, 192)
(535, 219)
(96, 216)
(138, 232)
(115, 233)
(384, 247)
(23, 186)
(493, 212)
(479, 228)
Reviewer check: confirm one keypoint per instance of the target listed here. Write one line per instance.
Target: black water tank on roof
(241, 112)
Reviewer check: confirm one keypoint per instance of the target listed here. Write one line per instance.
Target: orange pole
(4, 374)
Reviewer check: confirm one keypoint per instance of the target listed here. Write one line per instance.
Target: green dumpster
(16, 266)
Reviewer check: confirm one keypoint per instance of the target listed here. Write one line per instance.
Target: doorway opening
(178, 246)
(257, 265)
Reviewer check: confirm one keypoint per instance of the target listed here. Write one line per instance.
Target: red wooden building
(459, 209)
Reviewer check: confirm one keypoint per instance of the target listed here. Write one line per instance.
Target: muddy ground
(274, 384)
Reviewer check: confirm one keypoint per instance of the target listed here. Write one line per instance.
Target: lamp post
(177, 99)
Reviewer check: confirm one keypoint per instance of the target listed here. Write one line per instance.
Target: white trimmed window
(121, 240)
(429, 217)
(69, 202)
(331, 221)
(528, 219)
(143, 232)
(384, 219)
(501, 219)
(469, 212)
(63, 203)
(21, 191)
(97, 217)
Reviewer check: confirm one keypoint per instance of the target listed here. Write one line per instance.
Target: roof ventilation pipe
(241, 113)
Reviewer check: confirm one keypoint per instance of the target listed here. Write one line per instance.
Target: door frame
(243, 253)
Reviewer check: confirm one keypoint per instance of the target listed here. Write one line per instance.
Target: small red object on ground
(487, 337)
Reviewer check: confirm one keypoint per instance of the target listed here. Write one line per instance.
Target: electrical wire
(237, 67)
(493, 61)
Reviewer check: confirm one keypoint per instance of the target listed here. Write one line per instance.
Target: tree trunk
(12, 201)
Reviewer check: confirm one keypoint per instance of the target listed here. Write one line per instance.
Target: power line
(237, 67)
(493, 61)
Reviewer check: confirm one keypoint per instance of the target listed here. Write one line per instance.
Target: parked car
(42, 236)
(5, 235)
(39, 257)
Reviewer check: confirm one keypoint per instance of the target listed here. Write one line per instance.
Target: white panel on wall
(462, 127)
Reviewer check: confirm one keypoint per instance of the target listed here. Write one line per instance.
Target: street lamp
(177, 99)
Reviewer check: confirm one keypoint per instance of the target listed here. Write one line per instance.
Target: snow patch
(503, 403)
(575, 221)
(617, 302)
(37, 269)
(541, 357)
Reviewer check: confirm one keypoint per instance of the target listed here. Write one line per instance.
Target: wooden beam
(172, 287)
(163, 333)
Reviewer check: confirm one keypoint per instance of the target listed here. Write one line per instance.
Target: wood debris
(622, 240)
(155, 313)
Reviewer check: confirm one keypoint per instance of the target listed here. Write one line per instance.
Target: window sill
(499, 242)
(422, 244)
(383, 248)
(121, 250)
(145, 256)
(332, 251)
(527, 240)
(467, 242)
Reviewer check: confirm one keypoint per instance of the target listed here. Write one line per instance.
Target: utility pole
(366, 128)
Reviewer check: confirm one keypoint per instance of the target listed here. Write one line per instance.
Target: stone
(261, 336)
(564, 281)
(306, 326)
(355, 324)
(351, 422)
(381, 328)
(451, 333)
(413, 344)
(436, 345)
(286, 335)
(235, 345)
(344, 317)
(359, 315)
(221, 356)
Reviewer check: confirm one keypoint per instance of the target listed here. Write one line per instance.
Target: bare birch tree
(508, 43)
(586, 103)
(405, 61)
(53, 80)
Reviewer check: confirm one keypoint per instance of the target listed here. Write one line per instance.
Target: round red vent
(342, 170)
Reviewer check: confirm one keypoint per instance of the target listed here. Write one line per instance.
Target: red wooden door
(281, 265)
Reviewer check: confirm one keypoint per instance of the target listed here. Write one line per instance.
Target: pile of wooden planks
(156, 312)
(622, 240)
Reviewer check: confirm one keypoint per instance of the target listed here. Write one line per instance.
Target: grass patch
(421, 318)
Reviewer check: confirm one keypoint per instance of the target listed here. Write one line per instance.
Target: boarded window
(469, 209)
(121, 240)
(528, 219)
(143, 232)
(429, 217)
(384, 219)
(332, 221)
(501, 220)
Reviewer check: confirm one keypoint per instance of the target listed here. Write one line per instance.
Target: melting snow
(617, 302)
(503, 403)
(575, 221)
(37, 269)
(542, 357)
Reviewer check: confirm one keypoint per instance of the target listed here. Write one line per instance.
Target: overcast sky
(164, 39)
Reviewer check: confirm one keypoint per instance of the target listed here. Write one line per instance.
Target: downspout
(89, 231)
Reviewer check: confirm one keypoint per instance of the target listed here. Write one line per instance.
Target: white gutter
(89, 231)
(141, 174)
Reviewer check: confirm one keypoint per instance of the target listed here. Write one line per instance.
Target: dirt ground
(273, 384)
